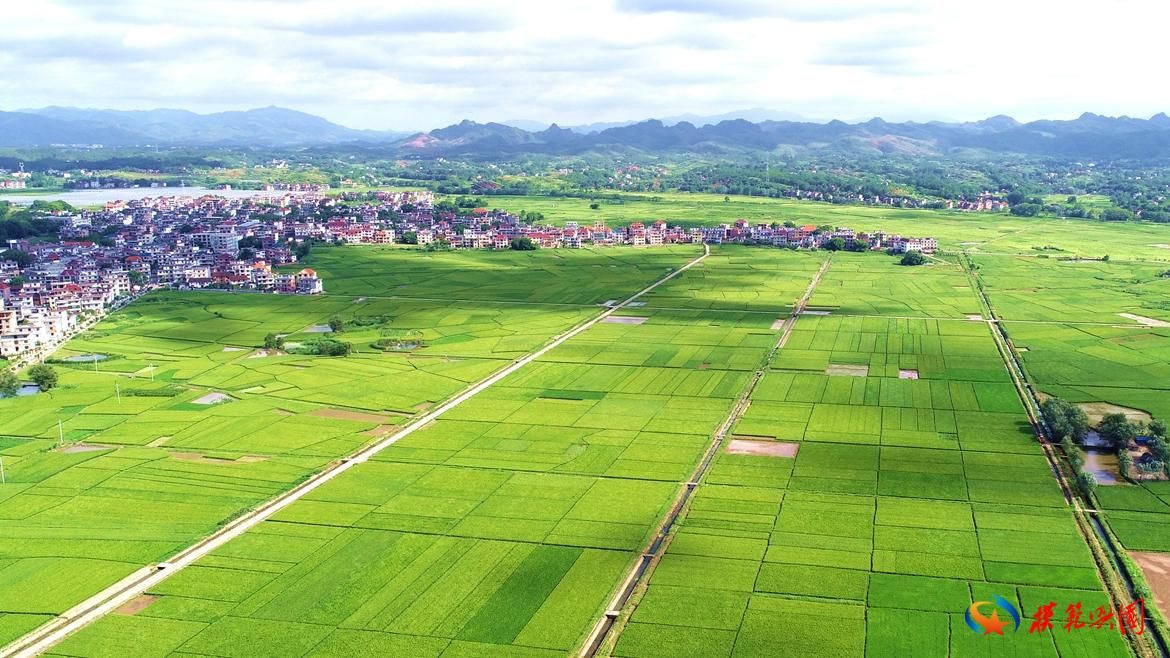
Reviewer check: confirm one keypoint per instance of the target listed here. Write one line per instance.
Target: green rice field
(904, 483)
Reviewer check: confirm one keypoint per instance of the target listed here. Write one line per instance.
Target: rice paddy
(188, 422)
(882, 478)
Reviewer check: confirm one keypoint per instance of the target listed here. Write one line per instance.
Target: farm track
(1111, 569)
(122, 592)
(643, 569)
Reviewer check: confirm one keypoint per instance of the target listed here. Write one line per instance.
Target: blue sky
(407, 66)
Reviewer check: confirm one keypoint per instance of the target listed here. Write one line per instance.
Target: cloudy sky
(418, 65)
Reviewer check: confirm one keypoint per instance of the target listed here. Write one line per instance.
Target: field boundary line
(113, 597)
(643, 568)
(1110, 570)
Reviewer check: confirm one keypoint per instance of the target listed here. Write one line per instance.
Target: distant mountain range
(269, 126)
(1089, 136)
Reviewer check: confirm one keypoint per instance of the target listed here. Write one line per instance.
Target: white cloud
(370, 63)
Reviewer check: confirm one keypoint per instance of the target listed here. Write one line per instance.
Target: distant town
(49, 288)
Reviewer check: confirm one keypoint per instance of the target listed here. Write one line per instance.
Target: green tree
(336, 325)
(595, 206)
(835, 244)
(522, 243)
(410, 237)
(136, 278)
(273, 342)
(913, 258)
(1117, 430)
(1026, 209)
(44, 376)
(1087, 484)
(1124, 463)
(22, 259)
(9, 384)
(1116, 215)
(1158, 428)
(1065, 419)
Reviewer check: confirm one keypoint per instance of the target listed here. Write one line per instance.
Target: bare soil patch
(779, 324)
(424, 406)
(1156, 567)
(974, 316)
(228, 349)
(136, 605)
(624, 319)
(215, 397)
(204, 459)
(1141, 319)
(907, 374)
(762, 448)
(345, 414)
(1097, 410)
(847, 370)
(260, 354)
(84, 447)
(381, 430)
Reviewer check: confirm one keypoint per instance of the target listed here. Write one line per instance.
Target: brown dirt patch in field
(423, 406)
(779, 324)
(345, 414)
(1141, 319)
(84, 447)
(974, 316)
(136, 605)
(1156, 567)
(204, 459)
(1097, 410)
(381, 430)
(907, 374)
(847, 370)
(215, 397)
(624, 319)
(762, 448)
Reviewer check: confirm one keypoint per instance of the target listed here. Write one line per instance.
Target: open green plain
(1065, 321)
(147, 469)
(908, 498)
(505, 526)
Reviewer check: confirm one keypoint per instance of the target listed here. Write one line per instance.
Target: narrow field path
(1118, 583)
(643, 569)
(120, 593)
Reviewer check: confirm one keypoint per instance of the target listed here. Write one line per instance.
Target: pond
(86, 358)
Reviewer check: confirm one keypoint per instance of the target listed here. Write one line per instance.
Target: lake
(100, 197)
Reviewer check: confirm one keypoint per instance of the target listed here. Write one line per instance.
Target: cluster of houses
(126, 247)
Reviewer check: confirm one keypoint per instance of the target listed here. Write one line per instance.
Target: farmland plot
(907, 500)
(187, 423)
